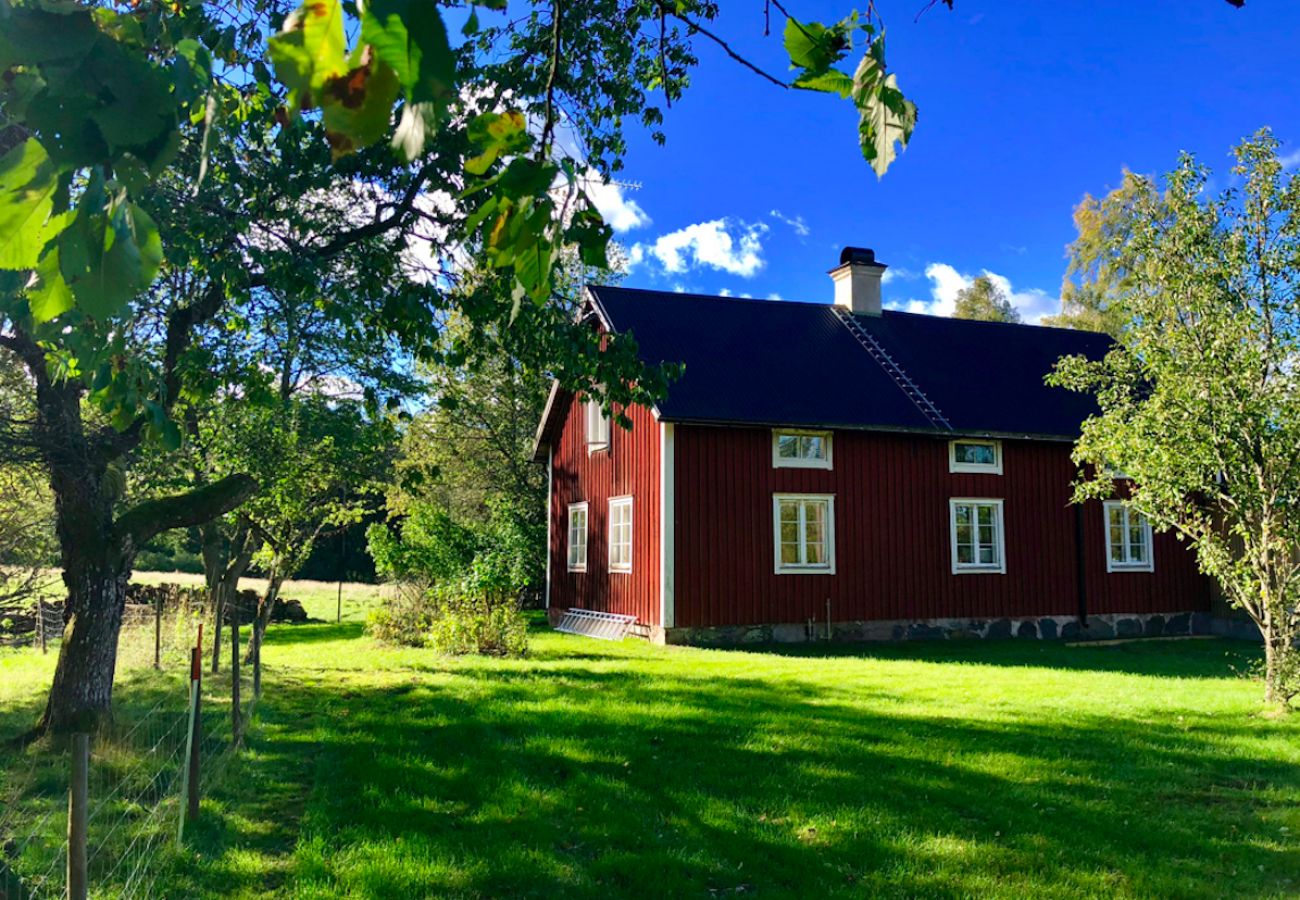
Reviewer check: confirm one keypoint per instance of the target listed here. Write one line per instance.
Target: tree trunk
(1272, 669)
(265, 610)
(81, 696)
(224, 564)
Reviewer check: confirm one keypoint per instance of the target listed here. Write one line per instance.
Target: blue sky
(1024, 107)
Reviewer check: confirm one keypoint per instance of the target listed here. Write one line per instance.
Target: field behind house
(593, 769)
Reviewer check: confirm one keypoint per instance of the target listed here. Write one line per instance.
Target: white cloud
(898, 273)
(946, 282)
(797, 223)
(619, 212)
(727, 245)
(1290, 160)
(775, 296)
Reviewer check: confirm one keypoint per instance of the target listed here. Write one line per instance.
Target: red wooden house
(842, 469)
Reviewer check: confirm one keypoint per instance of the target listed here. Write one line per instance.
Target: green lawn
(594, 769)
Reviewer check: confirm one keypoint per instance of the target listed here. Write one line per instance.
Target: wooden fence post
(40, 622)
(190, 773)
(157, 632)
(236, 731)
(257, 663)
(77, 817)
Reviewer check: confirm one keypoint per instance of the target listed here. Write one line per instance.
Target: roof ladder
(893, 369)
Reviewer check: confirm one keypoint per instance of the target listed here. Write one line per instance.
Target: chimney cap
(859, 256)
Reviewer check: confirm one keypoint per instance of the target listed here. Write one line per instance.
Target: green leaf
(410, 36)
(111, 252)
(358, 107)
(27, 185)
(809, 45)
(417, 124)
(886, 117)
(48, 295)
(309, 50)
(832, 81)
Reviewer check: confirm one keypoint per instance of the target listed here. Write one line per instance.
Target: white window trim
(954, 466)
(1111, 565)
(609, 535)
(795, 568)
(977, 568)
(586, 537)
(778, 462)
(587, 406)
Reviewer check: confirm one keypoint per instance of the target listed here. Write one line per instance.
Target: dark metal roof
(767, 362)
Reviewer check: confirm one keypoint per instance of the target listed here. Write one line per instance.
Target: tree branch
(195, 507)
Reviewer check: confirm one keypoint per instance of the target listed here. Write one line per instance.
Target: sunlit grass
(593, 769)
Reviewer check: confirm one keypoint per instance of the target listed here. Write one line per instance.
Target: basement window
(578, 537)
(977, 539)
(975, 456)
(804, 530)
(620, 534)
(801, 449)
(597, 425)
(1128, 539)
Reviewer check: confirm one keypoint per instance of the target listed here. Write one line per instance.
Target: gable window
(804, 531)
(977, 539)
(801, 449)
(975, 456)
(578, 537)
(1128, 539)
(597, 425)
(620, 534)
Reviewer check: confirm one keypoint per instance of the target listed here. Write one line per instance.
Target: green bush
(464, 583)
(479, 625)
(404, 618)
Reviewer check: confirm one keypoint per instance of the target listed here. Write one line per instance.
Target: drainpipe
(1080, 568)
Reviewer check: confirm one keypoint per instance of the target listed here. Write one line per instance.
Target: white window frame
(781, 568)
(596, 425)
(1124, 565)
(609, 554)
(955, 466)
(959, 568)
(780, 462)
(568, 541)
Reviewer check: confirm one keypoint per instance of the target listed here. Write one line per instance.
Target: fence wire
(136, 769)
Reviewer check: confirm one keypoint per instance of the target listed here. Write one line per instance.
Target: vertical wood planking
(629, 467)
(892, 536)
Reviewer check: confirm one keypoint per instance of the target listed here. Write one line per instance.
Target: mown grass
(593, 769)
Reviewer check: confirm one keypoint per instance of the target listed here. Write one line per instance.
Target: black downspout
(1080, 569)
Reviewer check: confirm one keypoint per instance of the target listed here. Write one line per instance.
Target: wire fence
(172, 741)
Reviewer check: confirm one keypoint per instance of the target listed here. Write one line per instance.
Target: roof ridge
(896, 372)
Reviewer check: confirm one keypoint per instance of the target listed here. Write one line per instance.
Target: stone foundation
(1065, 628)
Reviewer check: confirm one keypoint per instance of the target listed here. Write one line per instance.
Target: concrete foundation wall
(1099, 627)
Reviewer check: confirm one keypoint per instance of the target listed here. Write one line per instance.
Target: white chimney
(857, 281)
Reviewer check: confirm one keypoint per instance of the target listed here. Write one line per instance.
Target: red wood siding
(629, 467)
(892, 545)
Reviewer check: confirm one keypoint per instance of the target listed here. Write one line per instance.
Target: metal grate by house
(603, 625)
(893, 369)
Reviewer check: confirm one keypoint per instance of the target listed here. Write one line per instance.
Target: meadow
(596, 769)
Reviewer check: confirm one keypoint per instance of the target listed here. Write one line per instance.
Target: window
(975, 456)
(977, 544)
(804, 528)
(578, 537)
(597, 425)
(620, 534)
(801, 449)
(1128, 537)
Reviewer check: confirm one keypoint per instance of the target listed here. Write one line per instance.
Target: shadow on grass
(558, 780)
(1181, 658)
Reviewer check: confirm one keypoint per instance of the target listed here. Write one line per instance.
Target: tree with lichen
(1092, 279)
(1200, 396)
(984, 300)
